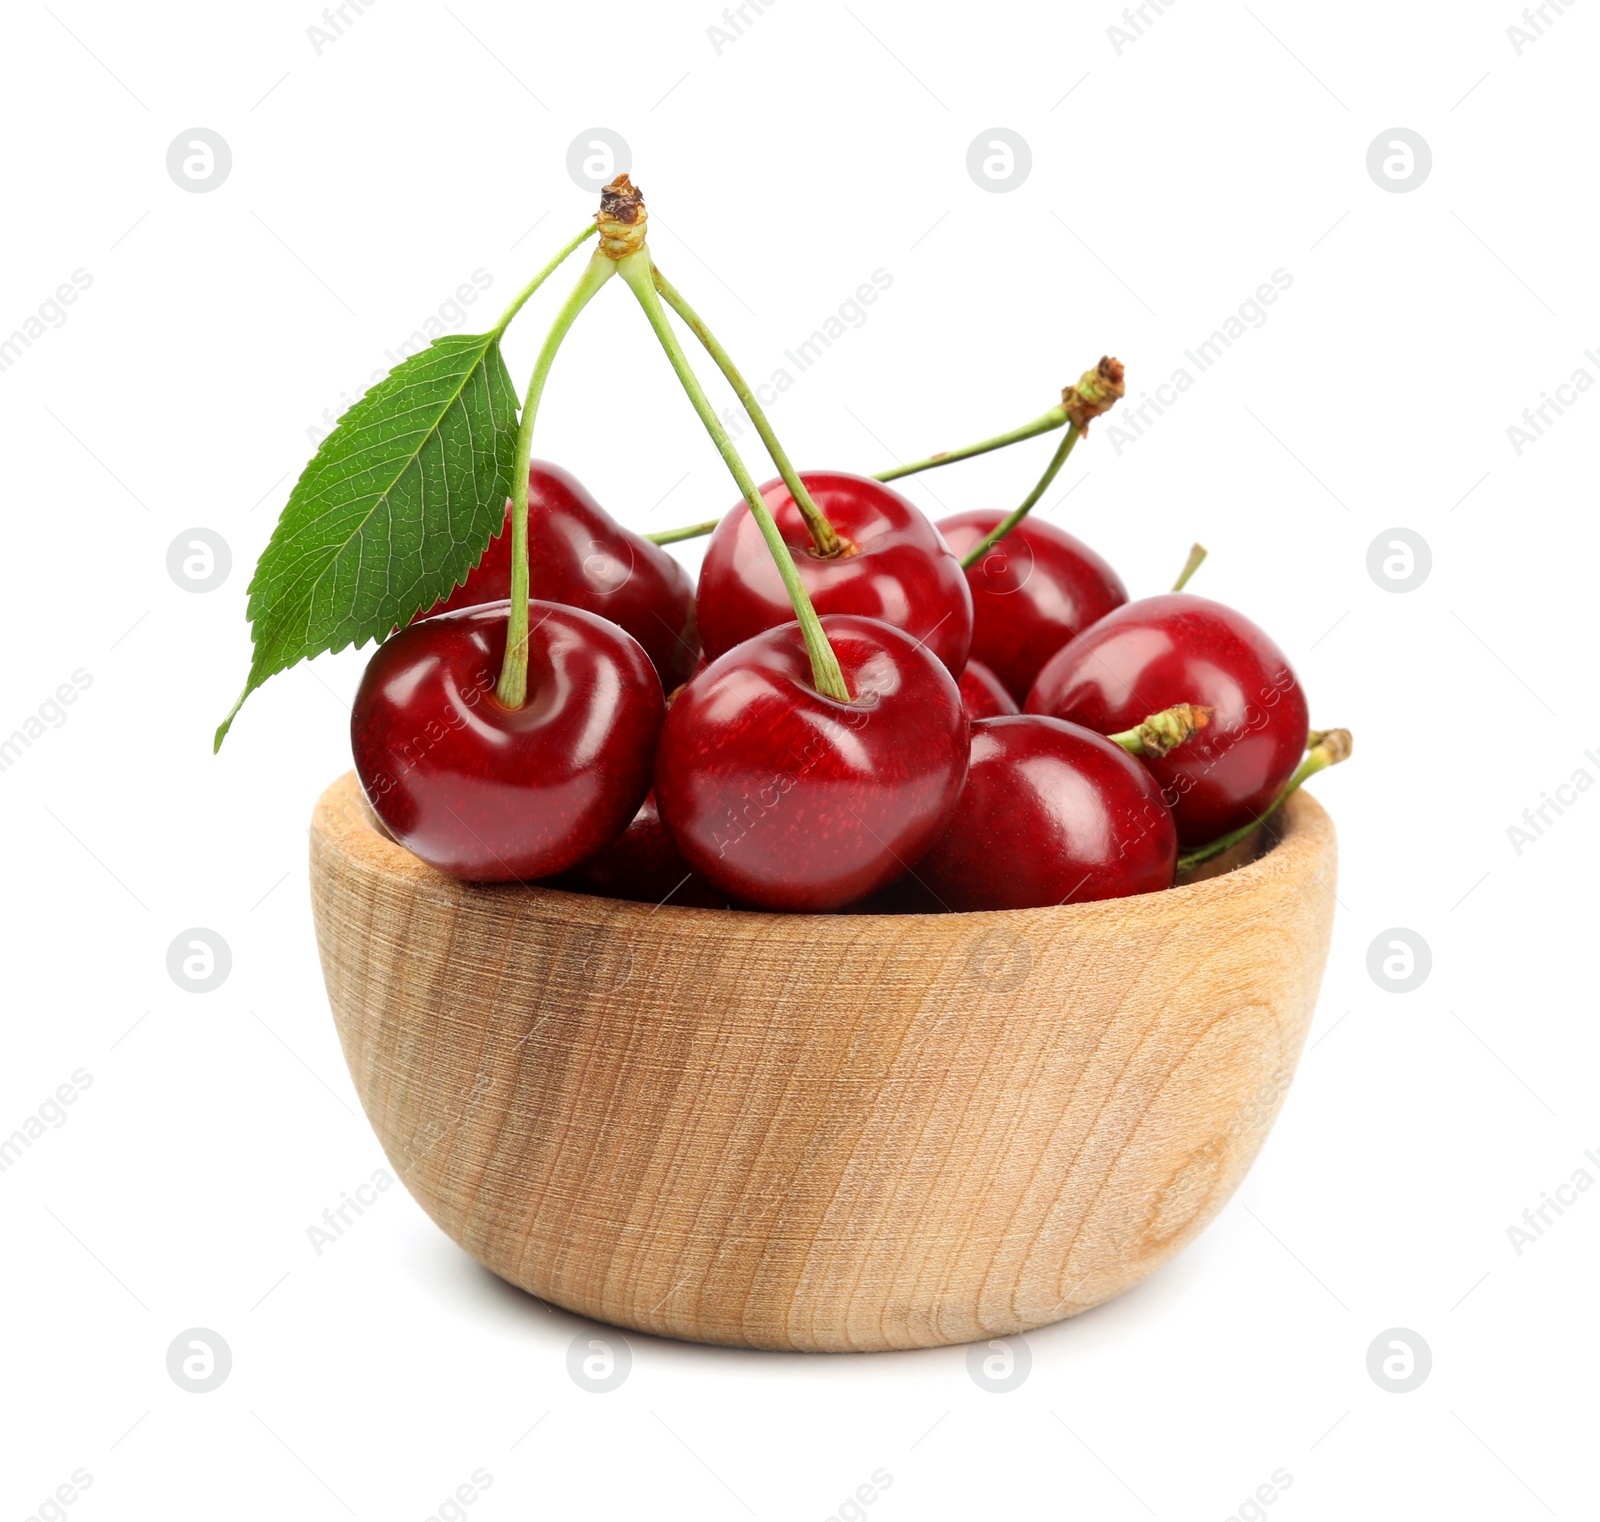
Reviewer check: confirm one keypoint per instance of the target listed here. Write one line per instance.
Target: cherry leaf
(396, 506)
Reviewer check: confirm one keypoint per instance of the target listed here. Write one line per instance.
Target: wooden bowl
(833, 1132)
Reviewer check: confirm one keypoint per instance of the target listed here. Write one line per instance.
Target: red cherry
(644, 866)
(1052, 813)
(1036, 589)
(982, 695)
(785, 799)
(578, 554)
(493, 794)
(1177, 648)
(896, 568)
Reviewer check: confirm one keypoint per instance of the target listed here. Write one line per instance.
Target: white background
(1168, 181)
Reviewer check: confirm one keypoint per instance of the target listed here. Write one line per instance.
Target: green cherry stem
(522, 296)
(1328, 748)
(1006, 524)
(1097, 391)
(1164, 731)
(689, 531)
(1056, 417)
(823, 534)
(512, 690)
(1044, 423)
(1196, 559)
(635, 269)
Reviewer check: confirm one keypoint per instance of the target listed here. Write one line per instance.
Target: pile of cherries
(675, 743)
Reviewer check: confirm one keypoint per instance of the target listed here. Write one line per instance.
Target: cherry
(786, 799)
(895, 567)
(584, 558)
(982, 695)
(642, 865)
(1032, 592)
(1181, 648)
(1052, 813)
(490, 793)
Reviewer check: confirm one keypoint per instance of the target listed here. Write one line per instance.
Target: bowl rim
(1290, 843)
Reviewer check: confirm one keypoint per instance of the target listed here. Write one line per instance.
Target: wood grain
(819, 1132)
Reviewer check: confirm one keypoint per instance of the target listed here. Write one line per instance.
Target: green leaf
(397, 505)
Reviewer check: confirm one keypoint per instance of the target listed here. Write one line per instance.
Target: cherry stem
(539, 279)
(691, 531)
(637, 270)
(1196, 559)
(1328, 748)
(1005, 525)
(512, 690)
(1164, 731)
(823, 534)
(1097, 391)
(1044, 423)
(1052, 419)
